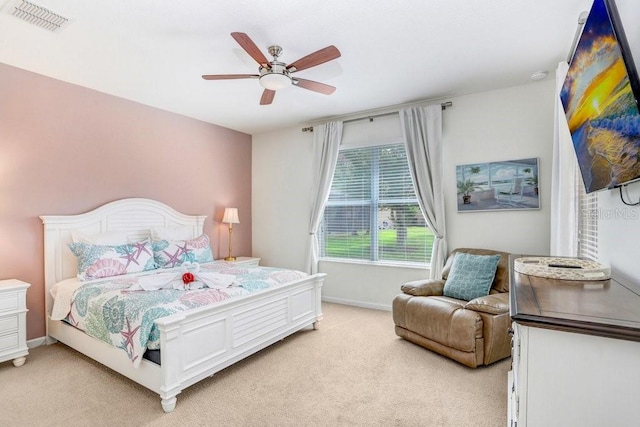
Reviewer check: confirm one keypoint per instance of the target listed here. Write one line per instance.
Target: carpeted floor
(353, 371)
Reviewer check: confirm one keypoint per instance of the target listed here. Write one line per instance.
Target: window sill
(389, 264)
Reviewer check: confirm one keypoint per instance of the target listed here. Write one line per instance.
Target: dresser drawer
(8, 302)
(8, 342)
(8, 324)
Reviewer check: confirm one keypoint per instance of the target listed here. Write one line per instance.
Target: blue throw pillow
(471, 276)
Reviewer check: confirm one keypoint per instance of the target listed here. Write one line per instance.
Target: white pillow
(110, 238)
(172, 233)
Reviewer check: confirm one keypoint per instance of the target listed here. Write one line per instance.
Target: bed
(193, 344)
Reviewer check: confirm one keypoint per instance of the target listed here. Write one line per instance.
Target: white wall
(281, 188)
(491, 126)
(618, 232)
(506, 124)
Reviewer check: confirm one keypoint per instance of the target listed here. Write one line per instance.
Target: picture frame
(498, 186)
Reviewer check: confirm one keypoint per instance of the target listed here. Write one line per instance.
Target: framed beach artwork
(505, 185)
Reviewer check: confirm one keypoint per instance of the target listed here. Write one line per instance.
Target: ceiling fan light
(275, 81)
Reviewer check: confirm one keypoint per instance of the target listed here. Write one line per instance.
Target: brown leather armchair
(472, 332)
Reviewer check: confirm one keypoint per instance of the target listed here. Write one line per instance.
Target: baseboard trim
(354, 303)
(36, 342)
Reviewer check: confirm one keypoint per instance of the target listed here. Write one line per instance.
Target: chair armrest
(491, 304)
(423, 288)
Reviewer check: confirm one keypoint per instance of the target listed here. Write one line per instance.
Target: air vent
(37, 15)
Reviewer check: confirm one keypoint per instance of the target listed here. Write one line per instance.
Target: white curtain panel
(326, 144)
(422, 132)
(564, 200)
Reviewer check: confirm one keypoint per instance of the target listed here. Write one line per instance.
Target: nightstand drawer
(245, 261)
(8, 342)
(10, 324)
(8, 302)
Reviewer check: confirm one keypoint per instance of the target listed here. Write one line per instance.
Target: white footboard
(200, 342)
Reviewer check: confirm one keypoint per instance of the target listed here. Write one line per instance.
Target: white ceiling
(393, 52)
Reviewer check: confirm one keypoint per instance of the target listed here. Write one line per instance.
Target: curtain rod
(444, 106)
(581, 21)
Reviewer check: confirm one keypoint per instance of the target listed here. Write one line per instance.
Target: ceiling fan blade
(229, 76)
(250, 47)
(314, 86)
(316, 58)
(267, 97)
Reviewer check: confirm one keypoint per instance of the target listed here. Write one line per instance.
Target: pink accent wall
(65, 149)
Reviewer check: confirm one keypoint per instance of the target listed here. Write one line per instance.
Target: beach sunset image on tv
(600, 105)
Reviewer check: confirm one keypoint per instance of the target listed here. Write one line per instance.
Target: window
(372, 212)
(587, 222)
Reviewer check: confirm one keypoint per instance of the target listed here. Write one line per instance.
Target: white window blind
(587, 222)
(372, 212)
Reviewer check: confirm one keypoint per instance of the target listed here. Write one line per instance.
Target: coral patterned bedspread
(109, 311)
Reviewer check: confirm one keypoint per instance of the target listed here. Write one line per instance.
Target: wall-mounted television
(599, 97)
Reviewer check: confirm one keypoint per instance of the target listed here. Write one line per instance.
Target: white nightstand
(13, 321)
(246, 261)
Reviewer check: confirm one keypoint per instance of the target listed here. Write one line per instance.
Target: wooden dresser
(576, 352)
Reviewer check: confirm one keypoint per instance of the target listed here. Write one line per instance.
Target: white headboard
(135, 216)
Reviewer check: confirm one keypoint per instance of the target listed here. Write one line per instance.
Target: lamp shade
(231, 216)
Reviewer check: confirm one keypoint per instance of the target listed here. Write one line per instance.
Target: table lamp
(230, 217)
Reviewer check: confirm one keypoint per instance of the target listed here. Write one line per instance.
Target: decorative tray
(562, 268)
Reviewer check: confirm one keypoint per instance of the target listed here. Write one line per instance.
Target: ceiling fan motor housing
(275, 51)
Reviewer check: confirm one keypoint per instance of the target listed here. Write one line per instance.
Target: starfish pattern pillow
(98, 261)
(174, 253)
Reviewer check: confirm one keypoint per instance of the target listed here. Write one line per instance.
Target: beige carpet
(353, 371)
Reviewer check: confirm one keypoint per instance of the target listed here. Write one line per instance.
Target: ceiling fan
(274, 75)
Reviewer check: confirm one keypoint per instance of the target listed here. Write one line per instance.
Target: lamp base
(230, 258)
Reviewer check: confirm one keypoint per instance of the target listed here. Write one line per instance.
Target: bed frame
(195, 344)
